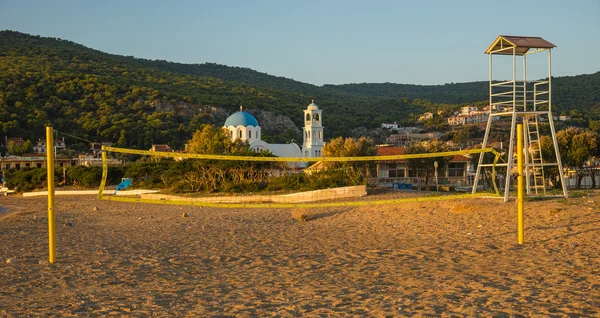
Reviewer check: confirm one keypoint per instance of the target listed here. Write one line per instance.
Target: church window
(307, 117)
(240, 133)
(316, 117)
(249, 133)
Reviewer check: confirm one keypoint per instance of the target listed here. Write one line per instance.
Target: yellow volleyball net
(266, 181)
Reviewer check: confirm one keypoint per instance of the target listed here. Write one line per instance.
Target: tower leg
(484, 145)
(511, 149)
(557, 153)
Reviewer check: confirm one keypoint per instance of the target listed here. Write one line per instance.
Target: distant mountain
(455, 93)
(581, 92)
(136, 102)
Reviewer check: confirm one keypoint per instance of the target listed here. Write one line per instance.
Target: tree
(427, 164)
(210, 139)
(466, 134)
(577, 146)
(437, 123)
(549, 155)
(350, 147)
(19, 149)
(595, 125)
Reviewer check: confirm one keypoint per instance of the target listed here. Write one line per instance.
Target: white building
(40, 146)
(466, 110)
(393, 125)
(242, 125)
(471, 118)
(564, 117)
(313, 131)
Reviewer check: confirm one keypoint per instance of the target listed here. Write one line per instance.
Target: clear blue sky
(319, 42)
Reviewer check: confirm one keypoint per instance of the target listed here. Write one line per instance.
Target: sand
(452, 258)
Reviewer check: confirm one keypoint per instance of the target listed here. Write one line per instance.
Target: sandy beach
(451, 258)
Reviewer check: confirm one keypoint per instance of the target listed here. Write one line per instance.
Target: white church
(242, 125)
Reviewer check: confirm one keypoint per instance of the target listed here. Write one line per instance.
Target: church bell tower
(313, 131)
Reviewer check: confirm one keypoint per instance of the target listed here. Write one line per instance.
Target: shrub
(301, 214)
(29, 179)
(90, 177)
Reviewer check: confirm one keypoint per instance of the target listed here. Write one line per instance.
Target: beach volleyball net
(263, 180)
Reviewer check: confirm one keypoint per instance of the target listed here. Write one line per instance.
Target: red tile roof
(162, 148)
(391, 151)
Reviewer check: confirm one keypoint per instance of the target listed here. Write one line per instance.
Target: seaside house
(454, 173)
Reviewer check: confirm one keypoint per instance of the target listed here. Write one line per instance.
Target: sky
(322, 41)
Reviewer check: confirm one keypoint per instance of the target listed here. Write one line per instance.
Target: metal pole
(51, 218)
(551, 121)
(520, 191)
(487, 133)
(526, 131)
(524, 82)
(104, 173)
(437, 184)
(511, 144)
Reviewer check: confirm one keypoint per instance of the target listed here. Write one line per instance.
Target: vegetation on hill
(569, 92)
(135, 102)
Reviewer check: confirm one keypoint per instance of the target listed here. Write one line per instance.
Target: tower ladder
(536, 163)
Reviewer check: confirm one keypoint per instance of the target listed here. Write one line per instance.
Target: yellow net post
(520, 182)
(51, 218)
(104, 174)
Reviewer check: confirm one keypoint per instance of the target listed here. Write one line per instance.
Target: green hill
(581, 92)
(455, 93)
(136, 102)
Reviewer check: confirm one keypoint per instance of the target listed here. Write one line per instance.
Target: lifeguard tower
(522, 101)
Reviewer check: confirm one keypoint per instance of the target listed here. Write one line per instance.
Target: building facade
(243, 126)
(313, 131)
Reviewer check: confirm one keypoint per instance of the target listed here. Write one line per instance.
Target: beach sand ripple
(428, 259)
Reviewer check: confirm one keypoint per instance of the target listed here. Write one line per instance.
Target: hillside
(581, 92)
(136, 102)
(455, 93)
(100, 96)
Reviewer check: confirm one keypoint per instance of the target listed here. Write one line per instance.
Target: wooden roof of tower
(522, 44)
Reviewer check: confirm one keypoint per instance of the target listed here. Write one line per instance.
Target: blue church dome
(241, 118)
